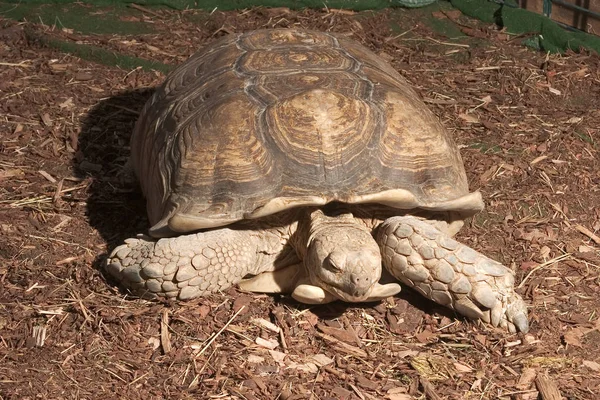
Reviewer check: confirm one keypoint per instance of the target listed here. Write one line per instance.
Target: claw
(516, 312)
(496, 315)
(484, 295)
(521, 322)
(467, 308)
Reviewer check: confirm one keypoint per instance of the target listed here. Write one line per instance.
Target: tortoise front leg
(450, 273)
(187, 266)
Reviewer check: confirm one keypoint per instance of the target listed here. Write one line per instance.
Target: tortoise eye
(330, 264)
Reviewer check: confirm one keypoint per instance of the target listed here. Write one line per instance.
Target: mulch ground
(528, 126)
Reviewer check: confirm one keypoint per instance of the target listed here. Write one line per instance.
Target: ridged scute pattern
(269, 120)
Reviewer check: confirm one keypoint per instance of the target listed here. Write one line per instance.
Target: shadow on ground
(116, 208)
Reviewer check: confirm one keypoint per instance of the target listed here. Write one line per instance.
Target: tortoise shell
(264, 121)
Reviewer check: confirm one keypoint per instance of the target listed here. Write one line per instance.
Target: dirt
(527, 124)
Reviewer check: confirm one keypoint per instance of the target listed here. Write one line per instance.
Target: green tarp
(549, 35)
(224, 5)
(542, 33)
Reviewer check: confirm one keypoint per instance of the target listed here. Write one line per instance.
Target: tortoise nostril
(359, 280)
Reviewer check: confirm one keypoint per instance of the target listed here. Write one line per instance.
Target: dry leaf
(481, 339)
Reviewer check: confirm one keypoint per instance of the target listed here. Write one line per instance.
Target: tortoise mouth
(355, 296)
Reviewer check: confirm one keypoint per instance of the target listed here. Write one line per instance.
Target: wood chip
(462, 367)
(526, 379)
(270, 344)
(429, 389)
(278, 356)
(165, 335)
(547, 388)
(46, 119)
(340, 334)
(341, 393)
(593, 365)
(321, 360)
(46, 175)
(253, 358)
(357, 391)
(266, 324)
(11, 173)
(39, 334)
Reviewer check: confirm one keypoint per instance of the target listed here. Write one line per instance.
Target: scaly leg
(186, 266)
(450, 273)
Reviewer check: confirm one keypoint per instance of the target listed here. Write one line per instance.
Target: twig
(588, 233)
(335, 372)
(549, 262)
(357, 391)
(165, 336)
(144, 9)
(50, 239)
(6, 64)
(220, 331)
(448, 43)
(282, 340)
(345, 347)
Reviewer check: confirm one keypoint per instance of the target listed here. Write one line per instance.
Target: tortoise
(300, 162)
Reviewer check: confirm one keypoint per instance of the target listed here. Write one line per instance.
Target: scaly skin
(340, 260)
(187, 266)
(450, 273)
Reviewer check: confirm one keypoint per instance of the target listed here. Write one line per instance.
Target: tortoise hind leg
(450, 273)
(187, 266)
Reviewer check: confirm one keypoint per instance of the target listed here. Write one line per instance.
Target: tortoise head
(343, 260)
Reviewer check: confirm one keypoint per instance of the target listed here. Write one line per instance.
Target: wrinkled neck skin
(340, 255)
